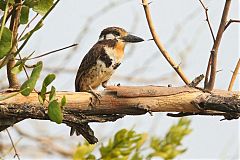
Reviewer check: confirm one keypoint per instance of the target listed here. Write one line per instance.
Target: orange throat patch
(119, 48)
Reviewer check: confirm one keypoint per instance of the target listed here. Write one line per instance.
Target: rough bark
(117, 101)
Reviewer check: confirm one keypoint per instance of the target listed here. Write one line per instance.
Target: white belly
(100, 73)
(104, 72)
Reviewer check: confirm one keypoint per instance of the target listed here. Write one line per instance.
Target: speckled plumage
(98, 65)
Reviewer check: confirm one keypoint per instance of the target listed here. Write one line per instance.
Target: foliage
(8, 41)
(31, 82)
(127, 144)
(167, 147)
(84, 152)
(5, 42)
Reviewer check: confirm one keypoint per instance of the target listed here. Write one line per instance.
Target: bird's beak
(132, 39)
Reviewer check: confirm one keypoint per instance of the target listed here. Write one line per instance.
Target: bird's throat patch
(119, 50)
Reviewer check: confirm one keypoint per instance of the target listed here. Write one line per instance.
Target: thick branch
(116, 102)
(214, 51)
(14, 24)
(119, 101)
(160, 45)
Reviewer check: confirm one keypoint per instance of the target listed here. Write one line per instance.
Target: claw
(104, 84)
(96, 95)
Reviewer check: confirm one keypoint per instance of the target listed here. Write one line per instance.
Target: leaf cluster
(127, 144)
(54, 107)
(41, 7)
(170, 146)
(7, 43)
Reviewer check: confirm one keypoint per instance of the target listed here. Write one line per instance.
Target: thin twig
(8, 57)
(4, 19)
(173, 38)
(37, 25)
(49, 141)
(15, 150)
(10, 10)
(214, 51)
(24, 67)
(231, 21)
(57, 50)
(234, 76)
(207, 19)
(213, 37)
(27, 26)
(159, 44)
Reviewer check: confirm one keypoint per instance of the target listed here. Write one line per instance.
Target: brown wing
(89, 60)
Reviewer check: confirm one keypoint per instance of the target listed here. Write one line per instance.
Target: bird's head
(119, 34)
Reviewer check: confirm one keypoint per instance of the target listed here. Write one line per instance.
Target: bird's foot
(104, 84)
(96, 95)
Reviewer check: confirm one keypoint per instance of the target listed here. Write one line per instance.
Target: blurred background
(182, 28)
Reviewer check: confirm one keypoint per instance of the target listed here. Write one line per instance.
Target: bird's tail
(85, 131)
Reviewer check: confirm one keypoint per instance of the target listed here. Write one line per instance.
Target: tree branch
(14, 24)
(160, 45)
(214, 51)
(119, 101)
(13, 145)
(234, 76)
(207, 19)
(231, 21)
(213, 37)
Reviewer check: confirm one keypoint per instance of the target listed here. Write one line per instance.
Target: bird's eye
(116, 33)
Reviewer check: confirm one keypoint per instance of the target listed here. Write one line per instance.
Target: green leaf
(91, 157)
(120, 135)
(63, 101)
(10, 95)
(52, 95)
(40, 99)
(17, 69)
(43, 6)
(55, 112)
(31, 32)
(42, 94)
(31, 82)
(23, 60)
(18, 66)
(2, 5)
(48, 80)
(171, 146)
(143, 139)
(37, 25)
(123, 145)
(5, 42)
(24, 15)
(30, 3)
(83, 152)
(11, 1)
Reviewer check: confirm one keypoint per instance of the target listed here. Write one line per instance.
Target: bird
(99, 64)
